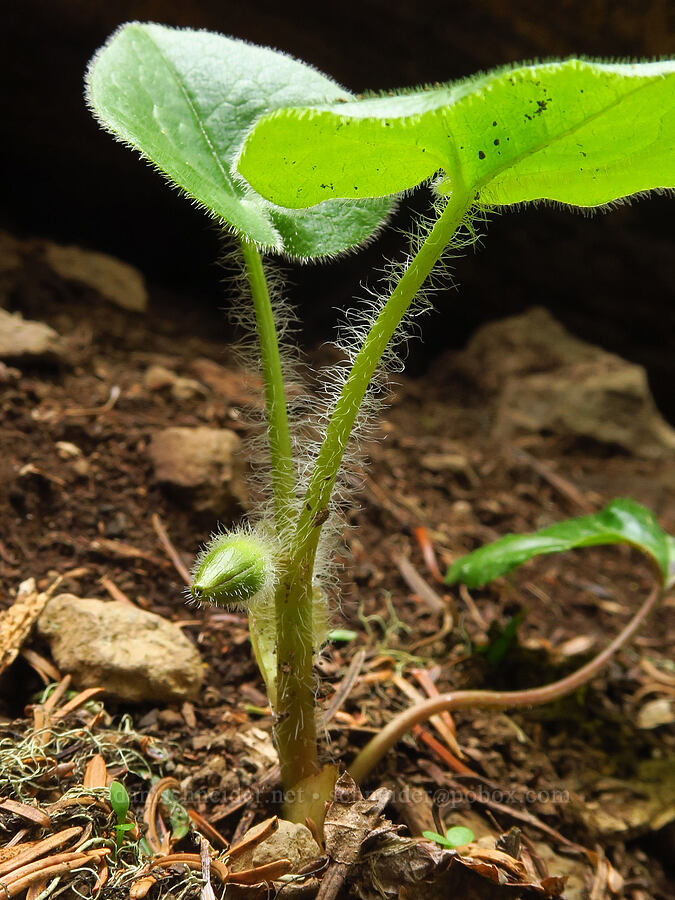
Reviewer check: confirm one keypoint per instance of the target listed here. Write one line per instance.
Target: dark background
(609, 277)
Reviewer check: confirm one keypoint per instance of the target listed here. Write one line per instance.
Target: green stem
(281, 456)
(295, 731)
(339, 429)
(385, 739)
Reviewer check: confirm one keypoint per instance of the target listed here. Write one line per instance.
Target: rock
(135, 655)
(656, 713)
(203, 466)
(67, 450)
(542, 378)
(10, 253)
(445, 462)
(607, 400)
(518, 346)
(187, 389)
(157, 378)
(8, 374)
(237, 387)
(114, 280)
(290, 841)
(24, 341)
(72, 454)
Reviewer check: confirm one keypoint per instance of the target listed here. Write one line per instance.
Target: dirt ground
(594, 773)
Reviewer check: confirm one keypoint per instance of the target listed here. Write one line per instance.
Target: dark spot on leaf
(496, 142)
(493, 124)
(481, 155)
(529, 118)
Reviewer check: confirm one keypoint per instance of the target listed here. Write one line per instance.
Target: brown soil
(53, 520)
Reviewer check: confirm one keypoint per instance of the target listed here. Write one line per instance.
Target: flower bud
(232, 570)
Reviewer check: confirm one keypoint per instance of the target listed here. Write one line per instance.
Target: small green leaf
(459, 836)
(435, 836)
(621, 522)
(186, 99)
(499, 645)
(575, 131)
(341, 634)
(119, 800)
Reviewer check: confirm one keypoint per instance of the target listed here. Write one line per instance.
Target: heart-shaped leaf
(186, 100)
(575, 131)
(620, 522)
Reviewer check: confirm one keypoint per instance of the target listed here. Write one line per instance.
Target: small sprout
(457, 836)
(232, 570)
(119, 800)
(343, 635)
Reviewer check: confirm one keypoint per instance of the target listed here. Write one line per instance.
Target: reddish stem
(405, 721)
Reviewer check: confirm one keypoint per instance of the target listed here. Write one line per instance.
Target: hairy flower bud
(232, 569)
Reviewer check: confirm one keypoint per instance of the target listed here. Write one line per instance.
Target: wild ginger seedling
(119, 801)
(292, 164)
(456, 836)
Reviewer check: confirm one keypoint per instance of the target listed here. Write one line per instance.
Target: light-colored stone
(521, 345)
(187, 389)
(22, 340)
(445, 462)
(156, 378)
(11, 259)
(204, 466)
(290, 841)
(113, 279)
(542, 378)
(607, 400)
(67, 450)
(135, 655)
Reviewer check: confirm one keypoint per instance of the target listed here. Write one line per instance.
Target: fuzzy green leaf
(621, 522)
(186, 99)
(574, 131)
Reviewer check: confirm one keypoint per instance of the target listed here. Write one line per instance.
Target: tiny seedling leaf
(434, 836)
(119, 800)
(342, 635)
(186, 99)
(575, 131)
(620, 522)
(457, 836)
